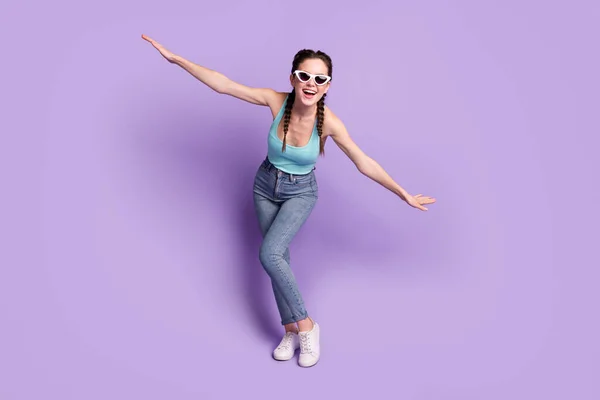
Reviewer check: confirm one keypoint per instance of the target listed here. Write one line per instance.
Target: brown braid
(320, 122)
(287, 113)
(286, 116)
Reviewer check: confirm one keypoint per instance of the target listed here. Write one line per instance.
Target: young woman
(285, 186)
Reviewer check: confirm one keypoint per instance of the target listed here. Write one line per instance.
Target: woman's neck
(301, 111)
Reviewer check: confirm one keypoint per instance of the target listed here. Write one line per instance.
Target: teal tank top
(295, 160)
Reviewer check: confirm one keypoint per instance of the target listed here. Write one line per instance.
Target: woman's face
(307, 79)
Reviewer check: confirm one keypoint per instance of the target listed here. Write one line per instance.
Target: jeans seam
(275, 258)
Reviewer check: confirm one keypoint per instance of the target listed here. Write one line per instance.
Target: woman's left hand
(418, 200)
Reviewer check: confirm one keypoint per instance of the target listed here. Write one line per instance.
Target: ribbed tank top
(295, 160)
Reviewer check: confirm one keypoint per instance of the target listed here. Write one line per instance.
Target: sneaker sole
(283, 359)
(308, 366)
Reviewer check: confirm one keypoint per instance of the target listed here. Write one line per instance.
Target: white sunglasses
(304, 76)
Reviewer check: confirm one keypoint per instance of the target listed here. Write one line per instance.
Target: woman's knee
(269, 256)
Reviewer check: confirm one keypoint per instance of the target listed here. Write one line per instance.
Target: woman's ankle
(306, 324)
(291, 328)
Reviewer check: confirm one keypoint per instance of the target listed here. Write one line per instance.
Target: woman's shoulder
(331, 122)
(276, 100)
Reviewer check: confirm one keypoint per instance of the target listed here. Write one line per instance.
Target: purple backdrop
(130, 264)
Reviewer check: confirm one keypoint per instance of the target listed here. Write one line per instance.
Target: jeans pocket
(303, 179)
(315, 186)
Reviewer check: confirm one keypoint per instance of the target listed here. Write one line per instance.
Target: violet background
(129, 264)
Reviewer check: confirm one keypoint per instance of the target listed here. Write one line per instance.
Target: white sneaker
(309, 346)
(287, 347)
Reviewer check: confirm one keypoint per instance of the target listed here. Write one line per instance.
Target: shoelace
(305, 343)
(286, 342)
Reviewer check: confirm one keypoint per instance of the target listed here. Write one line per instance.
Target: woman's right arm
(222, 84)
(219, 82)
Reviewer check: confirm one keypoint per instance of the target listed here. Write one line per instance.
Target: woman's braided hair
(299, 58)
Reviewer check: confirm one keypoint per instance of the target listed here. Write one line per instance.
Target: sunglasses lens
(320, 80)
(303, 76)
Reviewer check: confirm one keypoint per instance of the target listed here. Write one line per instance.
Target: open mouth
(309, 93)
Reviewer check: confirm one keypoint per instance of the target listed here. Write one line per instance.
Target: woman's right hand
(170, 57)
(222, 84)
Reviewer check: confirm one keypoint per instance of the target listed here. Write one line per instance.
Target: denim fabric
(282, 202)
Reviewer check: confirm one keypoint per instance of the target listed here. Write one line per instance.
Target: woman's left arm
(368, 166)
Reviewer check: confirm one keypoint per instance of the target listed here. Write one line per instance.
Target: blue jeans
(282, 202)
